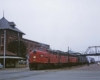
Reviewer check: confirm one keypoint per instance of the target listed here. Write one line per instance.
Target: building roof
(38, 43)
(7, 53)
(30, 40)
(4, 24)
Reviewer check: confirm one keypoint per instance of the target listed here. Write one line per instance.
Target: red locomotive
(41, 58)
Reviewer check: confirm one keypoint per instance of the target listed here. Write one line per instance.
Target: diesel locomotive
(42, 58)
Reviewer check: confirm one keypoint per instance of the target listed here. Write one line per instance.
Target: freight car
(41, 58)
(82, 60)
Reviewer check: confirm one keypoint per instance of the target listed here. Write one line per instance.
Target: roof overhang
(11, 57)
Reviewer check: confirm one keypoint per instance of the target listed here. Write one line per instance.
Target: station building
(13, 33)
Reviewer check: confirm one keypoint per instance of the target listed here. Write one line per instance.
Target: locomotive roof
(66, 53)
(57, 51)
(43, 45)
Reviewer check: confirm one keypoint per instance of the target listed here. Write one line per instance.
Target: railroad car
(62, 58)
(82, 60)
(73, 60)
(92, 60)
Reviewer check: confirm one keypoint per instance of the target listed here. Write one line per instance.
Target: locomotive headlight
(41, 55)
(34, 57)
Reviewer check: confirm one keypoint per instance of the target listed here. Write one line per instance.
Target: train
(90, 60)
(42, 58)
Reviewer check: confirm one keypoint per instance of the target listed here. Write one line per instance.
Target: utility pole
(4, 48)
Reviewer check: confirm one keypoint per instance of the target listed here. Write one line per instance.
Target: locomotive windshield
(39, 48)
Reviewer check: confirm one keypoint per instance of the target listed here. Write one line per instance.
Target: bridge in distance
(92, 51)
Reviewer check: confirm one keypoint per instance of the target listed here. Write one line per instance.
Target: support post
(4, 47)
(18, 44)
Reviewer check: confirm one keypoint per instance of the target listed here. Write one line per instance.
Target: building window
(26, 44)
(10, 39)
(31, 45)
(1, 32)
(30, 50)
(2, 41)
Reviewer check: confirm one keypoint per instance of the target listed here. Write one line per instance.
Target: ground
(91, 72)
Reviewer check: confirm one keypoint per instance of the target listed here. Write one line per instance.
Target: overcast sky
(59, 23)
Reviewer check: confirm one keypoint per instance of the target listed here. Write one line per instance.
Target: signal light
(41, 55)
(34, 57)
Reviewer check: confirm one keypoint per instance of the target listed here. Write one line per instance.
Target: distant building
(33, 44)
